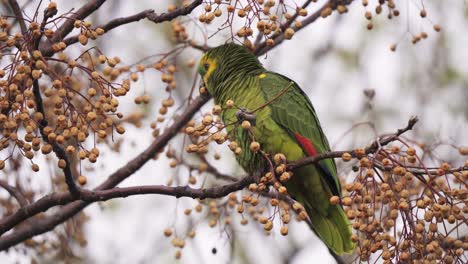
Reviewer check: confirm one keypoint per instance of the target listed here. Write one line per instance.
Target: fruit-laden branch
(278, 38)
(149, 14)
(104, 191)
(107, 27)
(54, 199)
(115, 178)
(67, 26)
(376, 145)
(64, 163)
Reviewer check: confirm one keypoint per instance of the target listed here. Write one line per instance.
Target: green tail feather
(334, 230)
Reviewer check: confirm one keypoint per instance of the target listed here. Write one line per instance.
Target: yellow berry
(346, 156)
(334, 200)
(62, 163)
(254, 146)
(82, 180)
(284, 230)
(229, 103)
(246, 125)
(288, 33)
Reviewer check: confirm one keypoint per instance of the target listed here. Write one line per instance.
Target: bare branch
(47, 224)
(211, 169)
(15, 193)
(19, 16)
(180, 191)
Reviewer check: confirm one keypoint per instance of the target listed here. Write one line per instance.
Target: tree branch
(15, 193)
(44, 225)
(178, 12)
(179, 191)
(19, 16)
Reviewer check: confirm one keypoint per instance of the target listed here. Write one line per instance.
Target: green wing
(310, 185)
(293, 111)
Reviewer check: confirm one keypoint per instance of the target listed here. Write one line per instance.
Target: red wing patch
(306, 144)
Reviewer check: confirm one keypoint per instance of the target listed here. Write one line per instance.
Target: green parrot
(285, 122)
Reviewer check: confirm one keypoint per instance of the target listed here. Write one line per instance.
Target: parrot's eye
(206, 66)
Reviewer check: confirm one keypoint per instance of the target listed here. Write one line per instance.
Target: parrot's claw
(244, 114)
(256, 176)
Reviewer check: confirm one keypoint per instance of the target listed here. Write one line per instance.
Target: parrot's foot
(256, 177)
(244, 114)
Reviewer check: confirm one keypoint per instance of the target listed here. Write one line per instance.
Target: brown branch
(178, 12)
(47, 224)
(19, 16)
(149, 14)
(179, 191)
(30, 210)
(211, 169)
(15, 193)
(193, 44)
(59, 151)
(58, 199)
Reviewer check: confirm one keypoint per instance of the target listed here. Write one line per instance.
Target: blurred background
(358, 86)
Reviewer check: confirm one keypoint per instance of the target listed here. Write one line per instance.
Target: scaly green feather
(231, 72)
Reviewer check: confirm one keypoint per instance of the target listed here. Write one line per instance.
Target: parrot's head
(225, 62)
